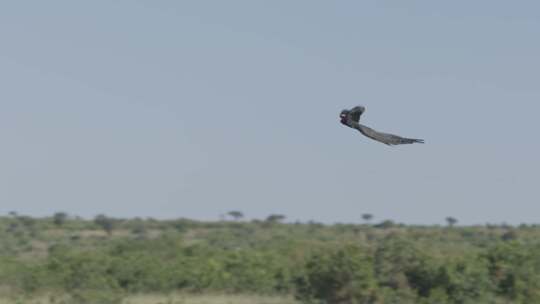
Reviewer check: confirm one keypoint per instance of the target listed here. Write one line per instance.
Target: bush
(515, 270)
(333, 276)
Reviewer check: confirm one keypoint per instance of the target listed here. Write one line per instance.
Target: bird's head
(343, 116)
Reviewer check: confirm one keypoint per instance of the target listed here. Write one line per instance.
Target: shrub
(333, 276)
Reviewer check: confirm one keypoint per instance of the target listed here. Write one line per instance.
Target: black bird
(351, 118)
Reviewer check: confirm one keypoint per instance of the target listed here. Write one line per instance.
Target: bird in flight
(351, 118)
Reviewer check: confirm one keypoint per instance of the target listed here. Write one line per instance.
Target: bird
(351, 118)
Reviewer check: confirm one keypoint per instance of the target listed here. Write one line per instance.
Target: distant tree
(275, 218)
(367, 217)
(523, 226)
(106, 223)
(451, 221)
(12, 227)
(59, 218)
(27, 221)
(386, 224)
(510, 235)
(139, 229)
(236, 215)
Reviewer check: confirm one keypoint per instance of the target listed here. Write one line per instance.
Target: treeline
(105, 259)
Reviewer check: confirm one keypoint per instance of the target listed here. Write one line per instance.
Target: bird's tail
(404, 141)
(414, 140)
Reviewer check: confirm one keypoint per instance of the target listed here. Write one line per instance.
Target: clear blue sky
(194, 108)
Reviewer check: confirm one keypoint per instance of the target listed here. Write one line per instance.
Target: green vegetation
(64, 259)
(163, 299)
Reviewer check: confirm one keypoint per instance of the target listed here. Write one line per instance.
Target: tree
(274, 218)
(451, 221)
(510, 235)
(236, 215)
(59, 218)
(27, 221)
(106, 223)
(367, 217)
(386, 224)
(139, 229)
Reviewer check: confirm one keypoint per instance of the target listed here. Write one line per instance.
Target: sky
(192, 109)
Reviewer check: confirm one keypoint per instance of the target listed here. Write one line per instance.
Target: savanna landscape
(68, 259)
(269, 152)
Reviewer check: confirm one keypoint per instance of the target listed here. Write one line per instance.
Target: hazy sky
(194, 108)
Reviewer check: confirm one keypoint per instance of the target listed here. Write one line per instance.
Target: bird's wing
(385, 138)
(356, 112)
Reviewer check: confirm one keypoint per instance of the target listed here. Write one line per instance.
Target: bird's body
(351, 118)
